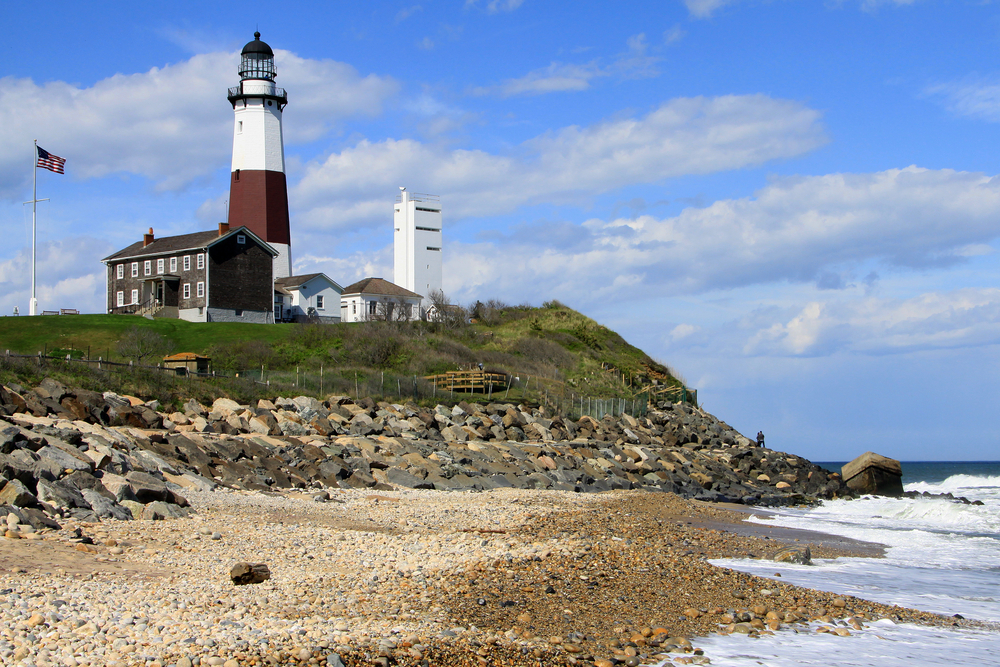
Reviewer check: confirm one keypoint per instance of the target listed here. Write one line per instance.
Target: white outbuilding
(375, 299)
(312, 297)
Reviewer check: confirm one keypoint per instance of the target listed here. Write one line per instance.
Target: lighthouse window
(121, 272)
(239, 127)
(270, 103)
(187, 262)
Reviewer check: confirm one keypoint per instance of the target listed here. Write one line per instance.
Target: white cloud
(974, 98)
(426, 44)
(494, 6)
(169, 124)
(683, 136)
(556, 78)
(872, 5)
(703, 9)
(69, 276)
(682, 331)
(821, 229)
(574, 77)
(673, 34)
(961, 318)
(407, 12)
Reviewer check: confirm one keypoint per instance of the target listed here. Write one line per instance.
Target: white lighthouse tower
(258, 194)
(417, 244)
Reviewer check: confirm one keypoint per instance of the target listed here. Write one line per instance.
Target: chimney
(147, 238)
(223, 228)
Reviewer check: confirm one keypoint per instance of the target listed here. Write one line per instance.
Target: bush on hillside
(238, 355)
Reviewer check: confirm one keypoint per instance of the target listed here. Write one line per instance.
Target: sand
(411, 577)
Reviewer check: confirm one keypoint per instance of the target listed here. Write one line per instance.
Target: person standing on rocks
(760, 438)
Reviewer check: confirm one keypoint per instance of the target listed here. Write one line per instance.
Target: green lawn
(99, 333)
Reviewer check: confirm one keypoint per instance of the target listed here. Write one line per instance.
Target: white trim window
(121, 299)
(159, 266)
(201, 288)
(147, 267)
(135, 269)
(187, 262)
(319, 302)
(201, 261)
(120, 271)
(241, 239)
(187, 290)
(173, 265)
(135, 296)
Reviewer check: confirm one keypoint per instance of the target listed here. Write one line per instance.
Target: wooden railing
(471, 381)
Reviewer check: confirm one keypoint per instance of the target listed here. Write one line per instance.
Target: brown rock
(875, 474)
(249, 573)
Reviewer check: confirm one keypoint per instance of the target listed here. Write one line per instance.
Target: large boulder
(874, 474)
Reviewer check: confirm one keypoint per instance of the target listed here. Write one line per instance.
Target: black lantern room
(257, 61)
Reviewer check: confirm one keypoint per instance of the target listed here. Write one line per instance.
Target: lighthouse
(258, 195)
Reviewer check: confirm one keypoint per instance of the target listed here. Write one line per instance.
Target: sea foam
(942, 556)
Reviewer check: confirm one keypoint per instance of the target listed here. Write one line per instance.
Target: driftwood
(249, 573)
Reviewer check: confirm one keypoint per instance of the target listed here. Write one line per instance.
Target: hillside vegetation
(548, 351)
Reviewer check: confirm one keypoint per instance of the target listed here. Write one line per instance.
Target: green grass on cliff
(565, 352)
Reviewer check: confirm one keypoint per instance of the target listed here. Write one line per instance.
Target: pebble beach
(409, 577)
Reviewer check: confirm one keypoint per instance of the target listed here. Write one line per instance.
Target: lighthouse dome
(257, 60)
(258, 47)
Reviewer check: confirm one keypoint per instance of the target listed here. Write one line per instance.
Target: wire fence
(386, 386)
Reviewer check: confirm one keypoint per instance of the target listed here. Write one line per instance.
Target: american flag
(47, 160)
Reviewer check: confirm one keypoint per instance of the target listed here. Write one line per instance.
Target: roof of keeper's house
(173, 244)
(378, 287)
(293, 282)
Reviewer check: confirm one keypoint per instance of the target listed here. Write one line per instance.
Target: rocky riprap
(87, 455)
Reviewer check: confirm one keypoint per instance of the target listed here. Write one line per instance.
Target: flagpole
(33, 304)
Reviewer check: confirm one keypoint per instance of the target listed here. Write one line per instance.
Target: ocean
(942, 557)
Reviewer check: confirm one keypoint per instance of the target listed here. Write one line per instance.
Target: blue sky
(793, 204)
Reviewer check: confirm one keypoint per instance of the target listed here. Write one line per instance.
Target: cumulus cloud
(69, 276)
(683, 136)
(961, 318)
(819, 230)
(170, 124)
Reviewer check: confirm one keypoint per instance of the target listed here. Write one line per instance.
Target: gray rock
(104, 507)
(147, 488)
(61, 495)
(17, 494)
(800, 555)
(157, 511)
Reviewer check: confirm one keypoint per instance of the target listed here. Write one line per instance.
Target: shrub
(541, 350)
(143, 345)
